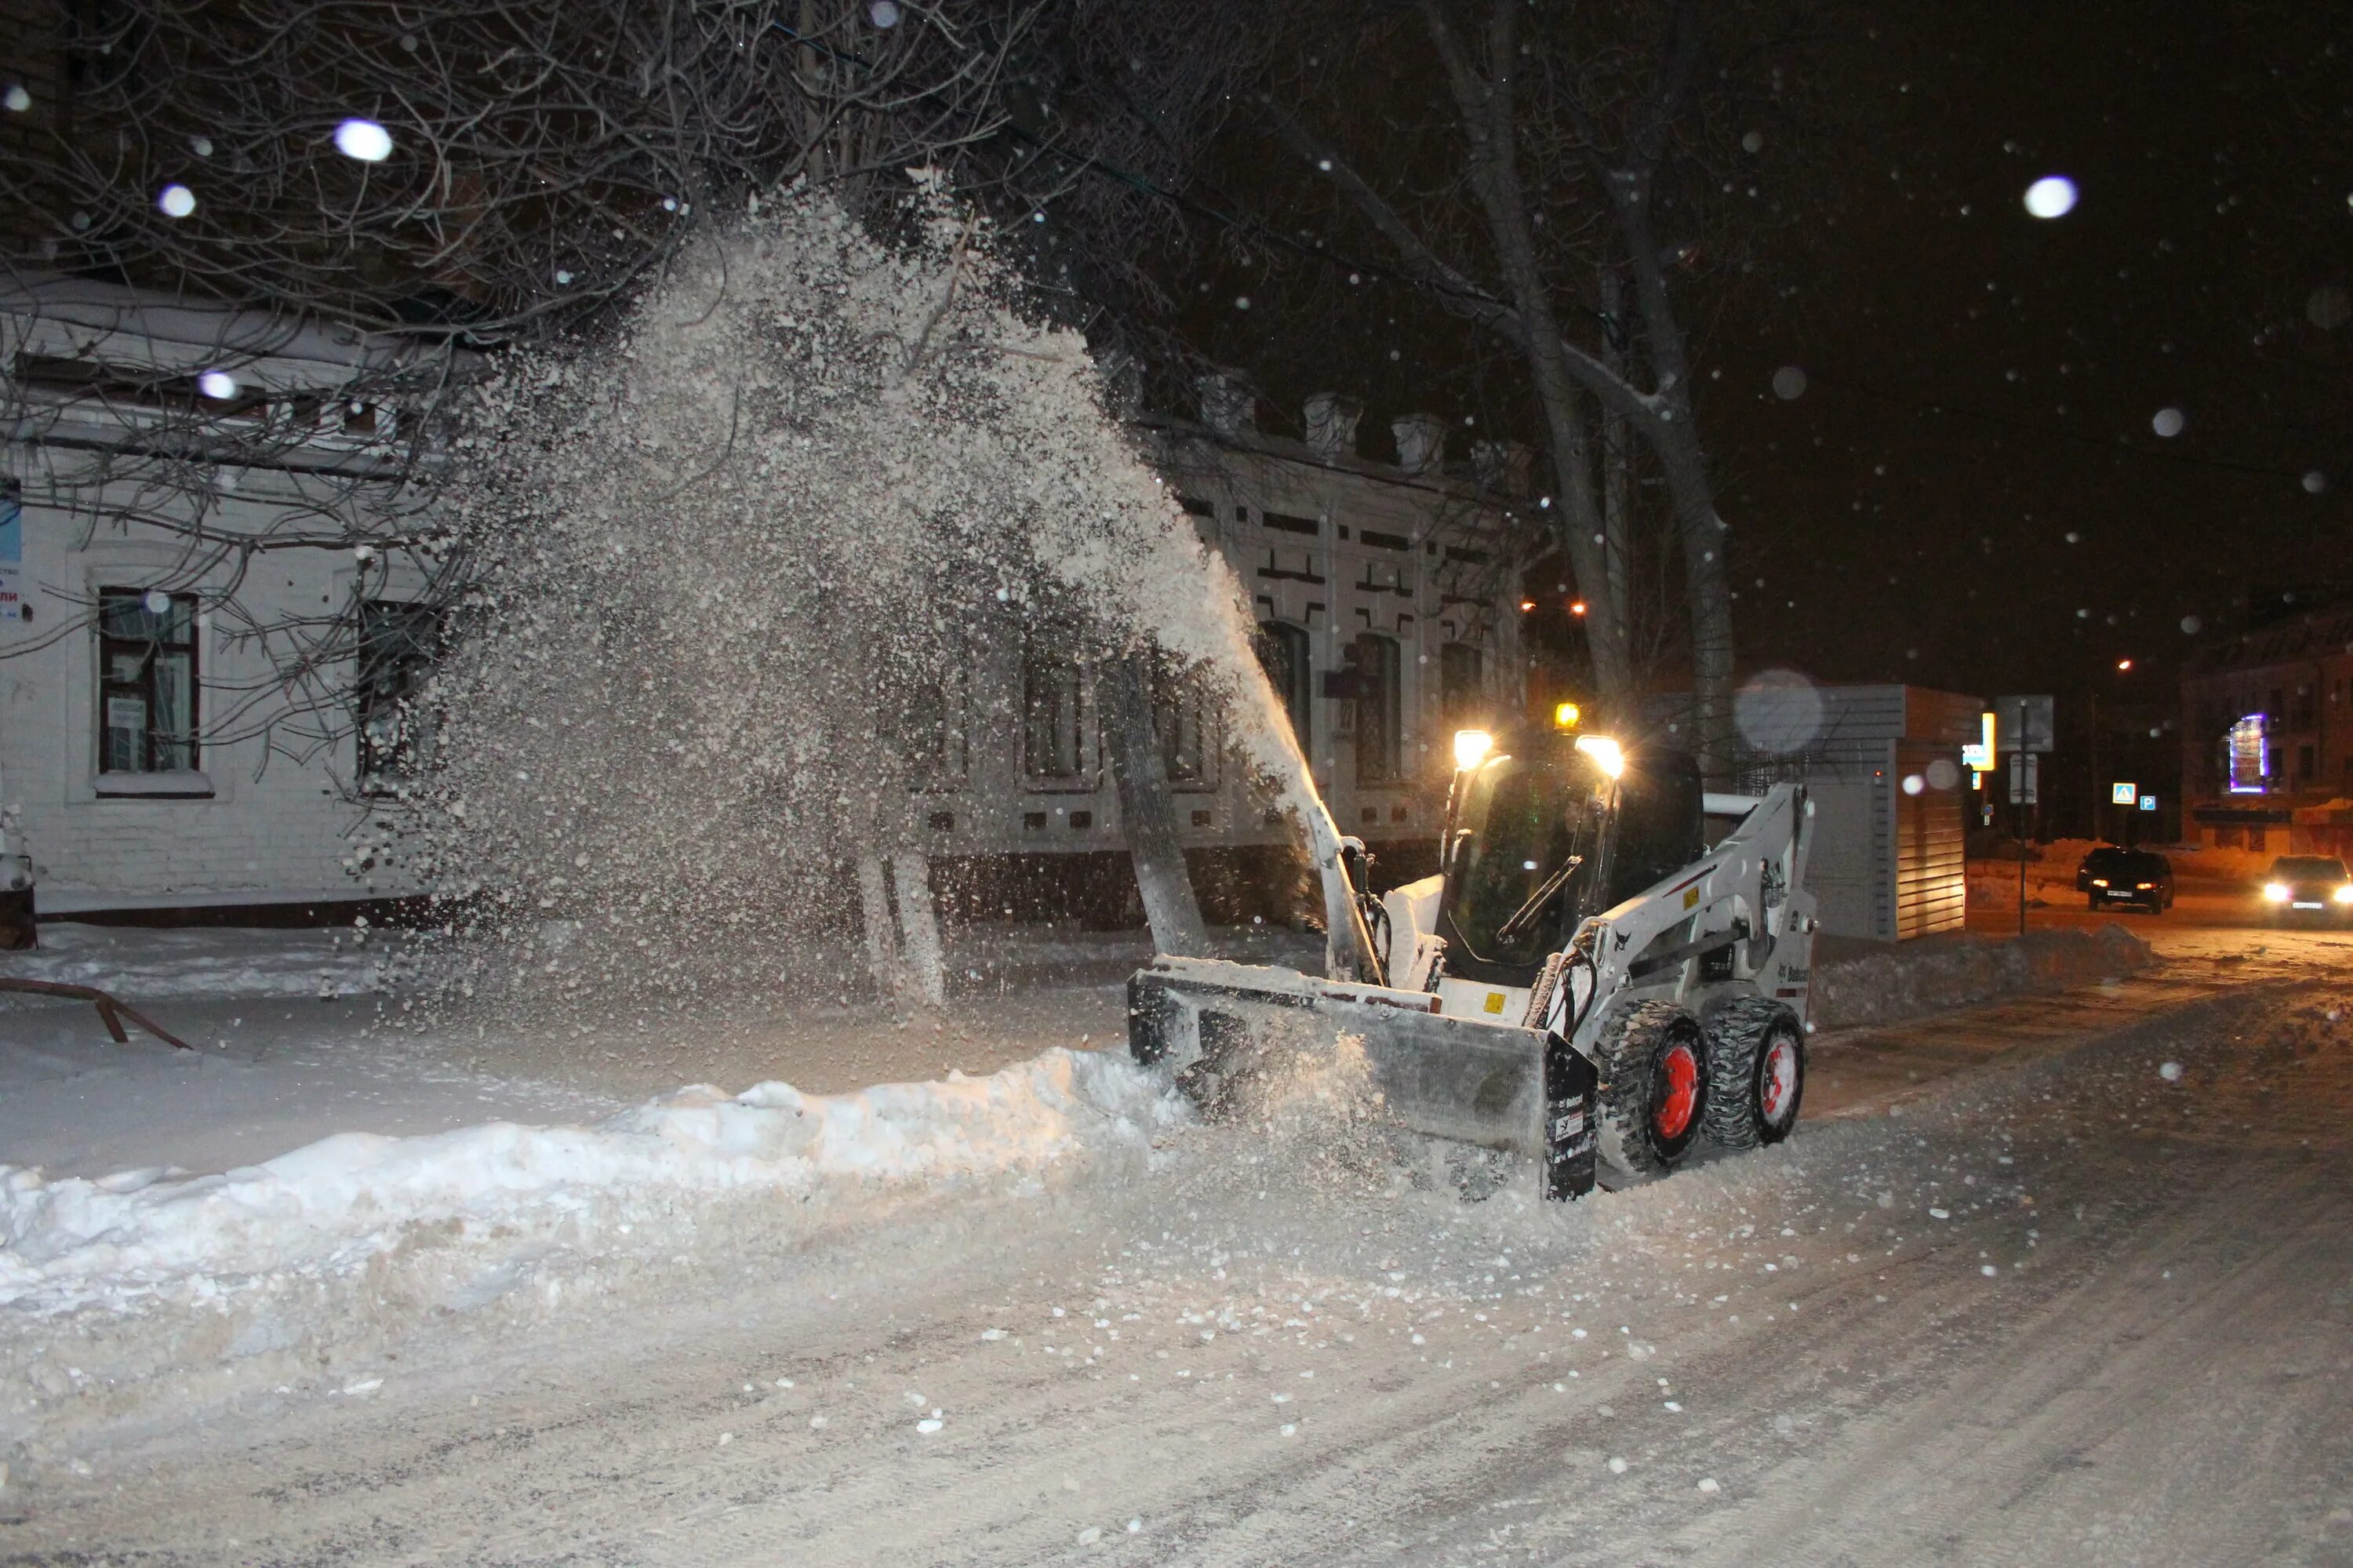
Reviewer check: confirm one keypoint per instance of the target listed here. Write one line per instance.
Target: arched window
(1057, 730)
(1283, 653)
(1461, 684)
(1380, 708)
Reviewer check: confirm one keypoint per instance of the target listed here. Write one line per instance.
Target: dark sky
(2039, 529)
(1969, 491)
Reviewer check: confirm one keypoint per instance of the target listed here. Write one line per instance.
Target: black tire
(1756, 1073)
(1653, 1058)
(2094, 903)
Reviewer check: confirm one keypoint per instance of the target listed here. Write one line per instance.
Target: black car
(2141, 878)
(2308, 887)
(2101, 862)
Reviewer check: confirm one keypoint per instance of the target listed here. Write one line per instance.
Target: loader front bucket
(1212, 1025)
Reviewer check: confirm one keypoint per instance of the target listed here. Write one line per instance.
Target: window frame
(1286, 652)
(371, 774)
(184, 609)
(1378, 664)
(1043, 648)
(1187, 725)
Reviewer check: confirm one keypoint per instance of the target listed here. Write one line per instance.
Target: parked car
(2308, 887)
(2101, 862)
(2141, 878)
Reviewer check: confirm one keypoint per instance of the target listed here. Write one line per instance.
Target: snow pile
(1940, 973)
(341, 1203)
(138, 964)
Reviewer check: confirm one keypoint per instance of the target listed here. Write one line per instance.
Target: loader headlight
(1471, 747)
(1604, 752)
(2275, 892)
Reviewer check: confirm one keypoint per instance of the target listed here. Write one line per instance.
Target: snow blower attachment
(1585, 983)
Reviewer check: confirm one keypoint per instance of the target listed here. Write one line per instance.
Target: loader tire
(1652, 1059)
(1756, 1073)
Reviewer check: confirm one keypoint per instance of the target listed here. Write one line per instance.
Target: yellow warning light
(1565, 716)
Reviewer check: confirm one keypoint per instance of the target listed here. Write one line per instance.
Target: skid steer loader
(1587, 980)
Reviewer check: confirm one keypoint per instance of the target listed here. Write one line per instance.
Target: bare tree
(274, 240)
(1552, 121)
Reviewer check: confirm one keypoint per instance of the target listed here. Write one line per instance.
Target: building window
(147, 681)
(2306, 763)
(1055, 740)
(1461, 684)
(938, 729)
(399, 644)
(1185, 716)
(1283, 653)
(1380, 709)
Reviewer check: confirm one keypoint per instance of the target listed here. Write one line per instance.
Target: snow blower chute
(1586, 982)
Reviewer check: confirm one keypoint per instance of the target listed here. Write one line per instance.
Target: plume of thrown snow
(729, 570)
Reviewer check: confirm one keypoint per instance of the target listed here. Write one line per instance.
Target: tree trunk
(1147, 810)
(924, 963)
(874, 910)
(1673, 432)
(1707, 588)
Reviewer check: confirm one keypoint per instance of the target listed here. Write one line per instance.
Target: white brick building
(188, 484)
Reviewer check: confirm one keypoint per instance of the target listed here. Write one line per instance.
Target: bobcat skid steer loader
(1585, 979)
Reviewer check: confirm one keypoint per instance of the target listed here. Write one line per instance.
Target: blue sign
(2149, 803)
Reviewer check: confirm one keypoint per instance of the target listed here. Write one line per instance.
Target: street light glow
(2053, 195)
(364, 140)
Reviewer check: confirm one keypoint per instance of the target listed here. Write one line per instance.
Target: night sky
(1962, 548)
(1969, 492)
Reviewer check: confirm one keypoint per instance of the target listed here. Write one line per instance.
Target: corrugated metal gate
(1932, 888)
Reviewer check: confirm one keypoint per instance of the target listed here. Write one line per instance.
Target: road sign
(2123, 793)
(2025, 778)
(2027, 719)
(2149, 803)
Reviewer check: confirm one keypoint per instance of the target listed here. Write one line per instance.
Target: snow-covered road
(2089, 1304)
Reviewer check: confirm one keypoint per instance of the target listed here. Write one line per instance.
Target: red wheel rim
(1778, 1083)
(1679, 1069)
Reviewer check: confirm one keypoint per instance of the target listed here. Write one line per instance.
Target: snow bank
(1940, 972)
(346, 1201)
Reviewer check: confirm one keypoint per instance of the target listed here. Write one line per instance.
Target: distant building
(182, 484)
(2267, 735)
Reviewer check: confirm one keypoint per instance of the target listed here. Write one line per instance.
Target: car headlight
(2276, 892)
(2099, 882)
(2345, 893)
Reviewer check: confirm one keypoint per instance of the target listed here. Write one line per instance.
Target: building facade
(2267, 735)
(205, 661)
(185, 492)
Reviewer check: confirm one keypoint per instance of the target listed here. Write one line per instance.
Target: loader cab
(1543, 834)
